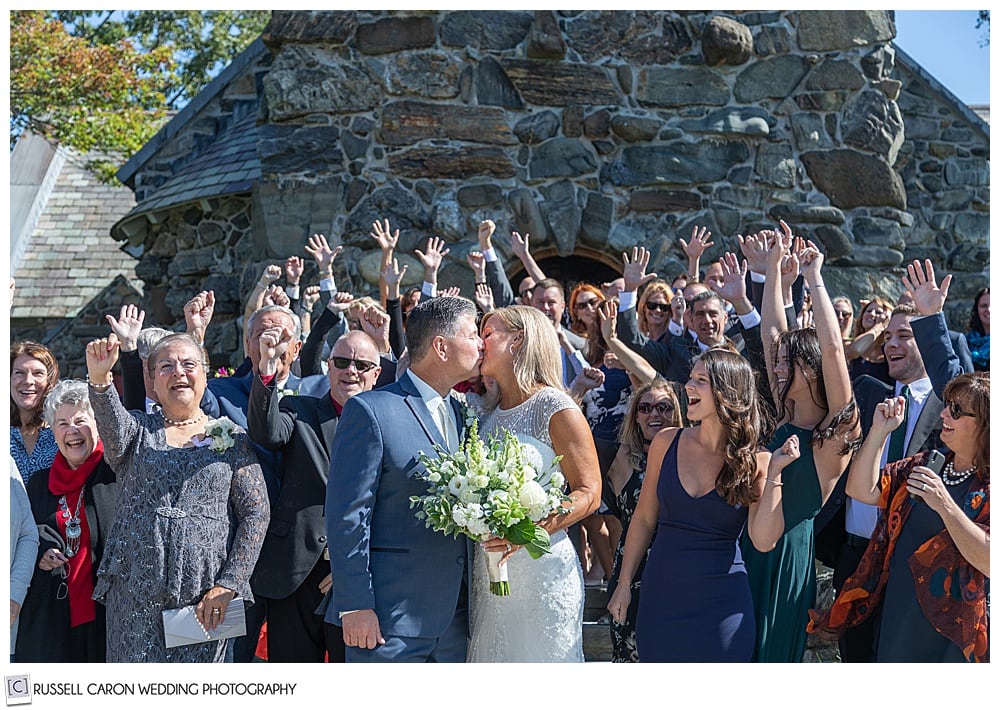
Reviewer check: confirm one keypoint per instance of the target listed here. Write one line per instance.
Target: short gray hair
(433, 317)
(72, 392)
(174, 338)
(148, 337)
(296, 323)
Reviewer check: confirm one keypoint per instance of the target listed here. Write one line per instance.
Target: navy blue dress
(695, 604)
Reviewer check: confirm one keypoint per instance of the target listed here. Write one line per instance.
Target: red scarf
(69, 482)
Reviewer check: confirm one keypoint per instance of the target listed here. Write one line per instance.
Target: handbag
(181, 627)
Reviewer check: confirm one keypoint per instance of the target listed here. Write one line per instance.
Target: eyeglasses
(660, 407)
(342, 363)
(167, 367)
(592, 303)
(956, 411)
(526, 292)
(62, 591)
(843, 314)
(661, 307)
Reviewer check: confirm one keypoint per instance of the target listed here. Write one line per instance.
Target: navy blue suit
(381, 556)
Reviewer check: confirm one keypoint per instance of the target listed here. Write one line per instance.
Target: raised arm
(126, 328)
(391, 276)
(695, 248)
(387, 241)
(863, 477)
(772, 314)
(270, 274)
(198, 314)
(931, 330)
(519, 245)
(634, 363)
(431, 260)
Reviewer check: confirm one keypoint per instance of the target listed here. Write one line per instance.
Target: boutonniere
(468, 417)
(220, 434)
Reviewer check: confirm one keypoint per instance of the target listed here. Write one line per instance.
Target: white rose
(457, 485)
(477, 527)
(532, 495)
(459, 516)
(558, 479)
(529, 473)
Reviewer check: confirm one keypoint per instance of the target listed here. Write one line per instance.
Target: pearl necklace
(953, 478)
(168, 420)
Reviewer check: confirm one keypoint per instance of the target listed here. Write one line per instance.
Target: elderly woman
(193, 507)
(928, 561)
(653, 406)
(33, 372)
(73, 504)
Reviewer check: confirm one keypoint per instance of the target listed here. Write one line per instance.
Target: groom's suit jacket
(381, 556)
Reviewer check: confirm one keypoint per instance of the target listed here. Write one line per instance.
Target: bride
(542, 618)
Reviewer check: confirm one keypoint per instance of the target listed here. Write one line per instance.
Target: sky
(946, 43)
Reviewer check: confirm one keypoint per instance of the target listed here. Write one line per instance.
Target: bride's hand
(499, 544)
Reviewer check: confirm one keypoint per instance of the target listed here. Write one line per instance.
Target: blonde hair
(653, 287)
(537, 362)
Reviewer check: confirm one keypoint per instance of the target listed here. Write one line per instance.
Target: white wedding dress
(542, 618)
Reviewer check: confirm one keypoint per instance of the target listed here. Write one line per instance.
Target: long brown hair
(972, 391)
(734, 390)
(45, 356)
(630, 433)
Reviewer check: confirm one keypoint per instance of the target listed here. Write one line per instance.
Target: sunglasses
(956, 411)
(580, 305)
(660, 407)
(661, 307)
(843, 314)
(526, 292)
(342, 363)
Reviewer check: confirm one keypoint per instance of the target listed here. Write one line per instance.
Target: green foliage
(106, 81)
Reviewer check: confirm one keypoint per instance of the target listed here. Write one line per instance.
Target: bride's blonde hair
(536, 360)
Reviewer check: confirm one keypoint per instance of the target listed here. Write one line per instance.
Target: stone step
(596, 641)
(595, 602)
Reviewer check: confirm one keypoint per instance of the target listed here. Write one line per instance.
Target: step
(596, 641)
(595, 602)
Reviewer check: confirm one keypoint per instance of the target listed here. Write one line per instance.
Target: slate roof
(70, 257)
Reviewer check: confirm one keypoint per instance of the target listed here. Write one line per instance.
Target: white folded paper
(181, 626)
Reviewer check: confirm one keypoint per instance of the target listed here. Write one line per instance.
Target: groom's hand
(361, 629)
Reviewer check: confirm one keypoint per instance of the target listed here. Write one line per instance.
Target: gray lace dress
(188, 519)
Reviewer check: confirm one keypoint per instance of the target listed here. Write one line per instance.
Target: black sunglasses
(662, 307)
(342, 363)
(526, 292)
(592, 303)
(660, 407)
(956, 411)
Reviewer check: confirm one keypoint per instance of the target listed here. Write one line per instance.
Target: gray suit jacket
(382, 557)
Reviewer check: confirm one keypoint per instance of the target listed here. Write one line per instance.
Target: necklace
(951, 477)
(168, 420)
(72, 524)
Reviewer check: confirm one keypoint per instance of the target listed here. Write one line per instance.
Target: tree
(105, 81)
(984, 20)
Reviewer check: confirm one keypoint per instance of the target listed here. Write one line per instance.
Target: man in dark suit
(921, 361)
(293, 572)
(400, 590)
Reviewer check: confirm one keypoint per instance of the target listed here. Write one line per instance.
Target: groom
(400, 590)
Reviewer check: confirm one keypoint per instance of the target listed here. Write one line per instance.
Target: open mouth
(692, 401)
(895, 357)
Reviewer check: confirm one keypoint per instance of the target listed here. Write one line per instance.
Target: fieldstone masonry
(592, 131)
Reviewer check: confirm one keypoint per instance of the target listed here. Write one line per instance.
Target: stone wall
(595, 131)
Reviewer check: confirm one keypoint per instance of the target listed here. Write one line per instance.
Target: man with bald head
(293, 570)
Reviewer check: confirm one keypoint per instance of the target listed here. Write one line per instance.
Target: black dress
(623, 634)
(44, 634)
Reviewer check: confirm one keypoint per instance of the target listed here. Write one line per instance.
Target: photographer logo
(18, 689)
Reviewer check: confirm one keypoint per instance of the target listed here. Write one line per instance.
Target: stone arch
(583, 264)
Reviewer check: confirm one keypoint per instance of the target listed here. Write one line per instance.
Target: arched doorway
(583, 265)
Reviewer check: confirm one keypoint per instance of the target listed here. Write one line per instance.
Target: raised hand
(888, 416)
(634, 271)
(270, 274)
(810, 263)
(386, 240)
(699, 242)
(485, 234)
(450, 291)
(375, 322)
(477, 262)
(102, 354)
(198, 314)
(432, 258)
(276, 296)
(309, 297)
(127, 326)
(788, 452)
(920, 282)
(341, 302)
(789, 271)
(393, 276)
(734, 285)
(484, 298)
(320, 250)
(607, 317)
(274, 343)
(754, 249)
(519, 245)
(294, 266)
(588, 379)
(677, 307)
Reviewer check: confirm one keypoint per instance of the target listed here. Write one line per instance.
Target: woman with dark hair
(979, 330)
(928, 562)
(73, 503)
(652, 407)
(814, 401)
(695, 604)
(33, 373)
(864, 353)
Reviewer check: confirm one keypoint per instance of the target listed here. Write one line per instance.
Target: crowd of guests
(746, 422)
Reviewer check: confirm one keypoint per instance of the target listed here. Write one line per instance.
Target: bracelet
(99, 388)
(773, 482)
(263, 285)
(817, 286)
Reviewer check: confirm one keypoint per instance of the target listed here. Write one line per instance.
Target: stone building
(592, 131)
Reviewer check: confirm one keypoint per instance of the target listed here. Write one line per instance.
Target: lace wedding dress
(542, 618)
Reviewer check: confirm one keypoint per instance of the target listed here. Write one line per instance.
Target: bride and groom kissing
(404, 593)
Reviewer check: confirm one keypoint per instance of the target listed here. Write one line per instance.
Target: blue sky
(946, 44)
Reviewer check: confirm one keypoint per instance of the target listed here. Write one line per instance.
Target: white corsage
(219, 433)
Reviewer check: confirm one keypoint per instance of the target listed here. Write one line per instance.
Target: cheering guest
(192, 512)
(865, 355)
(73, 503)
(928, 561)
(844, 311)
(293, 571)
(33, 373)
(653, 406)
(979, 330)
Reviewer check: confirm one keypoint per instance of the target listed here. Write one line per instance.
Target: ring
(923, 486)
(509, 547)
(216, 611)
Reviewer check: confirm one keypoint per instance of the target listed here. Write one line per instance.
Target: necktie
(898, 437)
(444, 418)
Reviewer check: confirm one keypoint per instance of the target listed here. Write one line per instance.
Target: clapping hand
(920, 282)
(127, 326)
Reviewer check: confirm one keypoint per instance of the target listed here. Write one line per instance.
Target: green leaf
(540, 544)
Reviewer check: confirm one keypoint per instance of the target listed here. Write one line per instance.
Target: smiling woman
(33, 373)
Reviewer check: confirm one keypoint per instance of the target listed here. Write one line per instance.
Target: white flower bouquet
(220, 434)
(490, 489)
